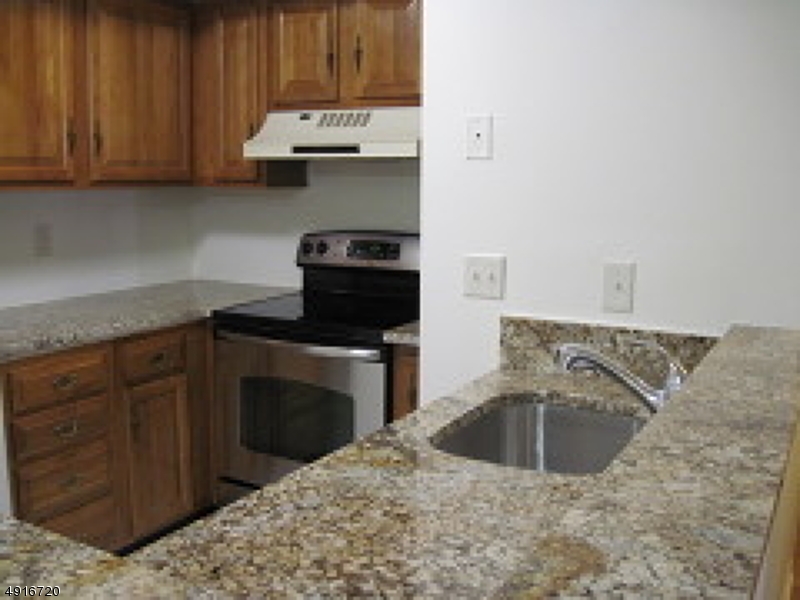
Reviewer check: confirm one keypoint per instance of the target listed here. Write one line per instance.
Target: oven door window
(293, 419)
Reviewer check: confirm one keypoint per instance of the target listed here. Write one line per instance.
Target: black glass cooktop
(321, 317)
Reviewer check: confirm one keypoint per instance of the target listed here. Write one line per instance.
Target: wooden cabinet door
(158, 450)
(138, 70)
(405, 376)
(229, 103)
(380, 45)
(304, 52)
(37, 103)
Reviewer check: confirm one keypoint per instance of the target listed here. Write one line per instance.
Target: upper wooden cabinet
(37, 95)
(94, 92)
(138, 80)
(304, 52)
(380, 49)
(229, 94)
(345, 53)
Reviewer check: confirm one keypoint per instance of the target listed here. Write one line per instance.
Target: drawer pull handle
(158, 360)
(66, 430)
(63, 383)
(71, 481)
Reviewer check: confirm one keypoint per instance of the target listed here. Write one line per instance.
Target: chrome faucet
(577, 357)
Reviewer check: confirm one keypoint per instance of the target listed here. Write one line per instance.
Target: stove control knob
(322, 247)
(307, 248)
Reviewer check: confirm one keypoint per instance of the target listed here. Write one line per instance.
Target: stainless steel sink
(546, 437)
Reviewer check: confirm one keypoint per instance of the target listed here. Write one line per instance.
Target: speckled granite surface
(40, 328)
(682, 512)
(31, 556)
(406, 335)
(527, 345)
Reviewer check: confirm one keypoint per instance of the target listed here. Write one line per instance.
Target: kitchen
(657, 197)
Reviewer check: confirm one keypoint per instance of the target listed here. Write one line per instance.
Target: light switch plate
(618, 282)
(479, 137)
(485, 276)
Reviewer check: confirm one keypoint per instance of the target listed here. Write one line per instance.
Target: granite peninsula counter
(684, 511)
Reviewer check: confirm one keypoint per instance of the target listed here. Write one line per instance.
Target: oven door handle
(362, 354)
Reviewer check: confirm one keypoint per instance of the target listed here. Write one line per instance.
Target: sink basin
(542, 436)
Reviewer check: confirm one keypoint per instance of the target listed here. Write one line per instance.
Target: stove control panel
(391, 250)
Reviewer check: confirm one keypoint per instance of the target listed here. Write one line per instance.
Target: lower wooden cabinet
(159, 462)
(65, 480)
(93, 523)
(405, 374)
(110, 443)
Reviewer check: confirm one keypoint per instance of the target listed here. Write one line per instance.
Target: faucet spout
(577, 357)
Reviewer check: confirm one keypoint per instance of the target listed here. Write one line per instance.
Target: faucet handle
(676, 373)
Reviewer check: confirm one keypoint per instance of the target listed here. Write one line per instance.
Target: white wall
(664, 132)
(251, 236)
(102, 240)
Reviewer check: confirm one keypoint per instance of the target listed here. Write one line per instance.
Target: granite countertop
(41, 328)
(405, 335)
(683, 511)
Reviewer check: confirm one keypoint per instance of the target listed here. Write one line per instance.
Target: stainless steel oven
(300, 375)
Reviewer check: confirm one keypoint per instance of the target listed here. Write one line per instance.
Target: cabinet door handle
(98, 139)
(158, 359)
(331, 60)
(66, 430)
(62, 383)
(72, 138)
(71, 481)
(358, 54)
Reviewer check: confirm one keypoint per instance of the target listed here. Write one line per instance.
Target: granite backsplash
(526, 344)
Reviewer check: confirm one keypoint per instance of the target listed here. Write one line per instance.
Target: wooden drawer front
(59, 427)
(94, 523)
(46, 381)
(64, 481)
(152, 357)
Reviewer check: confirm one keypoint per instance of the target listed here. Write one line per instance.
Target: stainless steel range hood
(326, 134)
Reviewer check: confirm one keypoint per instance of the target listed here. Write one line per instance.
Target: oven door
(284, 404)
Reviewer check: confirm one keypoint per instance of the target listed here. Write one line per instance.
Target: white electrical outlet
(479, 136)
(618, 280)
(485, 276)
